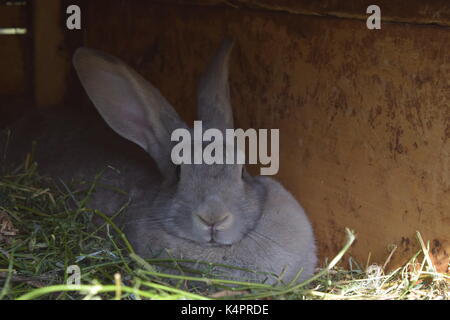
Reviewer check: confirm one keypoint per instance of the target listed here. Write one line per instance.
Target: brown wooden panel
(13, 16)
(12, 65)
(50, 59)
(364, 115)
(420, 12)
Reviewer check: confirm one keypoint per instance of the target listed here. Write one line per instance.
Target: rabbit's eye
(178, 171)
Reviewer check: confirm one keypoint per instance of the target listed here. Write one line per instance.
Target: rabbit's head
(213, 204)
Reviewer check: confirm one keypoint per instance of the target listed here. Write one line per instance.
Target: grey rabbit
(215, 213)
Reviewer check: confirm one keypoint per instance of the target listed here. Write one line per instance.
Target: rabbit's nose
(216, 222)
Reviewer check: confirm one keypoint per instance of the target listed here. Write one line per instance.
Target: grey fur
(216, 213)
(214, 105)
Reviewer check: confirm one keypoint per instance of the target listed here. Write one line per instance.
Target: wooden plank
(13, 16)
(51, 62)
(12, 75)
(416, 12)
(363, 115)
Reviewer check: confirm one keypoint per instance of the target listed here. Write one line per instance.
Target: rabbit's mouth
(215, 232)
(214, 238)
(214, 243)
(220, 239)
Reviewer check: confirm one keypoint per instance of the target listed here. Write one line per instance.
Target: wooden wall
(51, 57)
(35, 63)
(15, 60)
(363, 115)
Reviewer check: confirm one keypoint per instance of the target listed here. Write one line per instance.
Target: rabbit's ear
(129, 104)
(214, 106)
